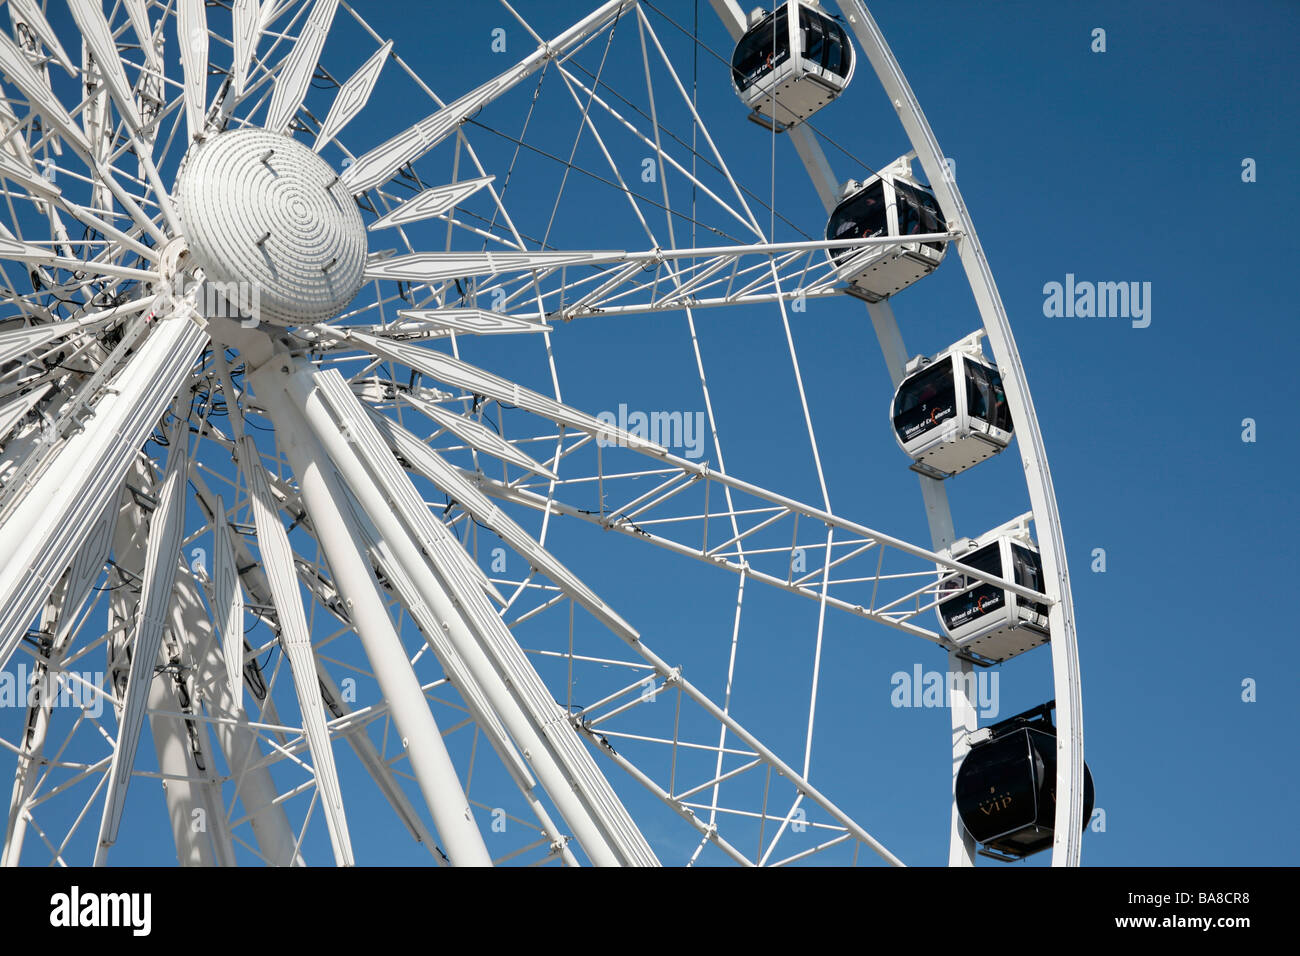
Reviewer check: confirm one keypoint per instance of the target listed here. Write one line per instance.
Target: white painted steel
(583, 797)
(192, 37)
(379, 164)
(295, 639)
(45, 526)
(162, 555)
(101, 381)
(262, 218)
(323, 493)
(296, 72)
(352, 96)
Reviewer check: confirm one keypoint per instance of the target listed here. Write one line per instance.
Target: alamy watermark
(1102, 300)
(684, 430)
(936, 689)
(240, 301)
(27, 688)
(75, 909)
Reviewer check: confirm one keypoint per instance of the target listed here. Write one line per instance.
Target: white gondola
(983, 618)
(950, 411)
(786, 66)
(891, 203)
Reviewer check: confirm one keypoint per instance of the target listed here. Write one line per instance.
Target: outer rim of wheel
(1069, 822)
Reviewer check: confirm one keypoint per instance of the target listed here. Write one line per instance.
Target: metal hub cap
(268, 218)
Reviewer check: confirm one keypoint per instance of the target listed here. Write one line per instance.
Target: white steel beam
(137, 12)
(166, 529)
(99, 40)
(40, 97)
(192, 796)
(477, 633)
(433, 201)
(44, 528)
(244, 18)
(477, 435)
(326, 503)
(282, 851)
(448, 479)
(414, 552)
(228, 603)
(433, 266)
(87, 566)
(30, 13)
(463, 680)
(732, 16)
(295, 639)
(192, 37)
(352, 96)
(379, 164)
(295, 74)
(185, 790)
(452, 371)
(244, 757)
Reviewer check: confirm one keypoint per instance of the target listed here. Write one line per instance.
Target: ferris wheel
(295, 482)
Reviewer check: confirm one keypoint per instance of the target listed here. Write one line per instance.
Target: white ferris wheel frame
(58, 510)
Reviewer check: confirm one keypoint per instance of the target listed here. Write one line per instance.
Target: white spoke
(295, 637)
(39, 94)
(355, 352)
(378, 165)
(245, 14)
(159, 577)
(99, 39)
(431, 202)
(228, 604)
(295, 74)
(192, 27)
(30, 14)
(352, 97)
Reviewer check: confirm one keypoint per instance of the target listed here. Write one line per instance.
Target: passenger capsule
(1006, 786)
(890, 204)
(951, 412)
(985, 619)
(790, 63)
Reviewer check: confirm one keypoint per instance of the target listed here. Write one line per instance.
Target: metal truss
(249, 543)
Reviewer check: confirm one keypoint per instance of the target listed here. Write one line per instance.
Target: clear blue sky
(1117, 166)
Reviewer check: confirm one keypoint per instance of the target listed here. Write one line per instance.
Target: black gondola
(890, 204)
(951, 412)
(991, 621)
(1006, 786)
(786, 66)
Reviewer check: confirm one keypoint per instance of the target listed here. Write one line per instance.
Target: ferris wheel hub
(264, 213)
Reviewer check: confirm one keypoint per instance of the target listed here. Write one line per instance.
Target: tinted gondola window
(839, 55)
(814, 35)
(981, 600)
(925, 401)
(918, 212)
(985, 398)
(861, 216)
(824, 42)
(761, 50)
(1029, 573)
